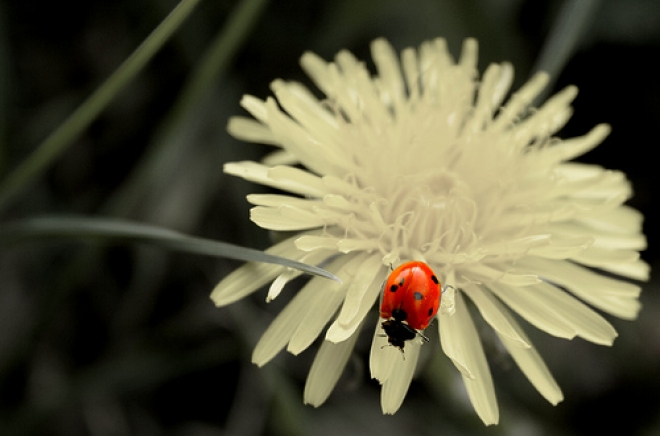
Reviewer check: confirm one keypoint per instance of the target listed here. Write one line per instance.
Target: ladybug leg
(423, 336)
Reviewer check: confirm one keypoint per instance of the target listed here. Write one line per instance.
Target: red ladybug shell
(411, 297)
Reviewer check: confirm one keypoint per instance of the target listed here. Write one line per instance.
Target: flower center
(425, 214)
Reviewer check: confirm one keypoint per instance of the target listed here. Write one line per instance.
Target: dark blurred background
(123, 340)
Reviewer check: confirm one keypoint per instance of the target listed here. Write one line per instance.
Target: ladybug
(411, 297)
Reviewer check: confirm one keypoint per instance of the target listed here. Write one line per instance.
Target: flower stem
(59, 140)
(165, 149)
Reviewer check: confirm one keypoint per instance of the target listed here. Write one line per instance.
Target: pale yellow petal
(277, 200)
(389, 71)
(601, 238)
(286, 218)
(488, 274)
(544, 122)
(313, 258)
(248, 278)
(494, 85)
(469, 54)
(623, 219)
(562, 248)
(278, 284)
(357, 291)
(533, 310)
(531, 364)
(409, 64)
(613, 296)
(295, 180)
(451, 327)
(310, 243)
(576, 315)
(283, 327)
(279, 157)
(326, 369)
(571, 148)
(247, 129)
(637, 270)
(329, 295)
(519, 101)
(382, 356)
(319, 71)
(360, 298)
(480, 387)
(492, 312)
(396, 386)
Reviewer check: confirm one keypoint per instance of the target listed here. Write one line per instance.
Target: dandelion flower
(424, 161)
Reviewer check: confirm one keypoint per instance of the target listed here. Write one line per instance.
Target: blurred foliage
(124, 340)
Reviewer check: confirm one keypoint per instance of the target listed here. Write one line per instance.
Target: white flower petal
(304, 107)
(613, 296)
(360, 298)
(328, 366)
(533, 310)
(277, 200)
(283, 326)
(313, 137)
(389, 71)
(571, 148)
(451, 328)
(548, 119)
(310, 243)
(396, 386)
(383, 356)
(492, 312)
(247, 129)
(329, 295)
(479, 387)
(579, 317)
(602, 239)
(319, 71)
(357, 291)
(519, 101)
(279, 157)
(623, 219)
(469, 52)
(289, 274)
(286, 218)
(409, 63)
(255, 106)
(562, 248)
(251, 276)
(531, 363)
(637, 270)
(349, 245)
(483, 272)
(599, 257)
(278, 284)
(297, 181)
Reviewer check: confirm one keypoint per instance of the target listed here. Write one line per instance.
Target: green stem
(58, 141)
(159, 155)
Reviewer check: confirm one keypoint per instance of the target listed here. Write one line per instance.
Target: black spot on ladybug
(430, 311)
(435, 279)
(393, 288)
(418, 296)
